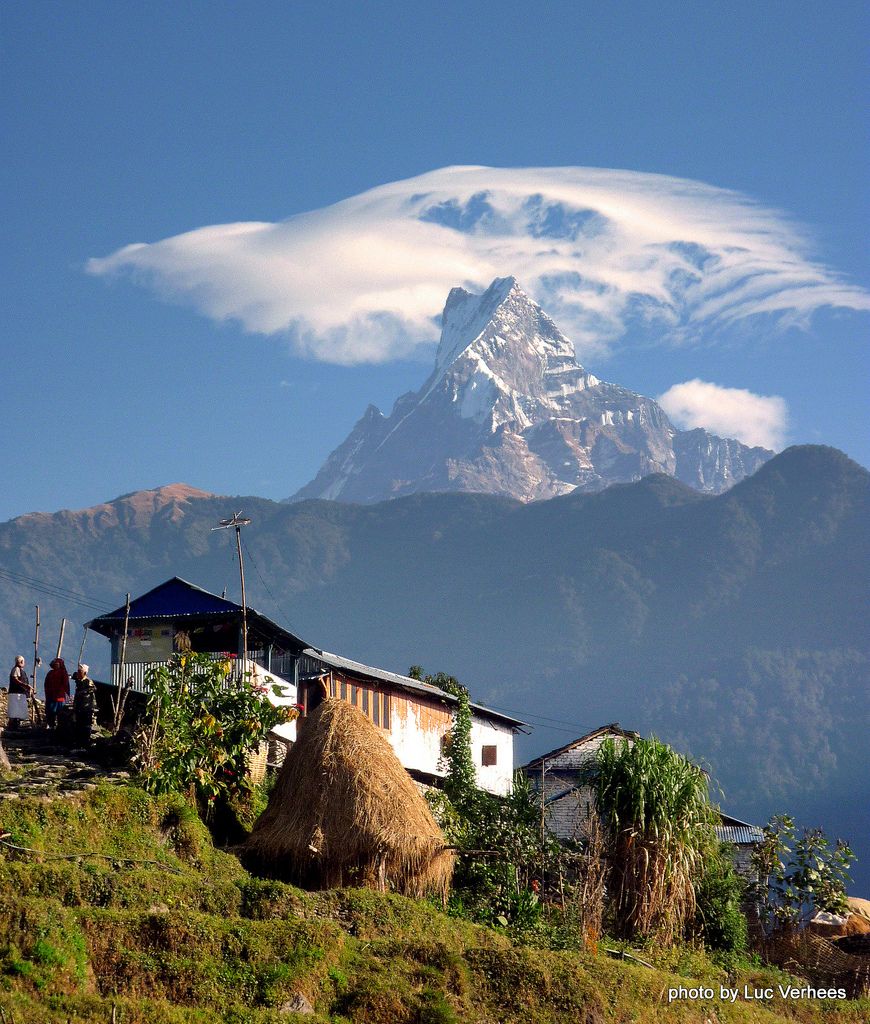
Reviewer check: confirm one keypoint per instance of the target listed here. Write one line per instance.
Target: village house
(568, 805)
(177, 611)
(415, 717)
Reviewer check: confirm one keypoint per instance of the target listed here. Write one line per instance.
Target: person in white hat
(84, 705)
(19, 692)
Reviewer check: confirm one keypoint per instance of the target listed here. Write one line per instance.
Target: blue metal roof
(177, 599)
(173, 598)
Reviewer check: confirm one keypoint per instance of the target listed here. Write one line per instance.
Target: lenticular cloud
(364, 280)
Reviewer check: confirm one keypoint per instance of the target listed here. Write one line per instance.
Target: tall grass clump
(658, 822)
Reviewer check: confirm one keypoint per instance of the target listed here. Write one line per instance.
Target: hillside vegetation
(165, 929)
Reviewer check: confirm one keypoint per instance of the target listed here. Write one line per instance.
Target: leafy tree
(719, 919)
(501, 849)
(799, 874)
(657, 818)
(201, 726)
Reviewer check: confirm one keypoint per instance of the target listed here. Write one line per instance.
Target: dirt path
(42, 768)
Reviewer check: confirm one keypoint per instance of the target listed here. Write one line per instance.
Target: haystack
(344, 812)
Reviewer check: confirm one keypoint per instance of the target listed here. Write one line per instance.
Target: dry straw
(344, 812)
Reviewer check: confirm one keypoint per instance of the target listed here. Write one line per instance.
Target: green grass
(194, 938)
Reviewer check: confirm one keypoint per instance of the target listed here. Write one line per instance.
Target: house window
(385, 716)
(376, 707)
(352, 697)
(488, 755)
(343, 691)
(365, 701)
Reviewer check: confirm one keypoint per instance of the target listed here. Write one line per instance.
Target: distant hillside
(733, 626)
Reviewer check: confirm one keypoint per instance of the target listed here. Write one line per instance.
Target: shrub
(799, 874)
(719, 920)
(201, 727)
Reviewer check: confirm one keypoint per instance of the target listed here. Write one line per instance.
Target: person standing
(19, 692)
(56, 691)
(18, 681)
(84, 705)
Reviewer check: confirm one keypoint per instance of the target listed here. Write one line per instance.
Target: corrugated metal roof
(176, 598)
(739, 834)
(402, 682)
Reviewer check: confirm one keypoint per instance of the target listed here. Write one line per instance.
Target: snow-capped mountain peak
(490, 322)
(508, 409)
(467, 315)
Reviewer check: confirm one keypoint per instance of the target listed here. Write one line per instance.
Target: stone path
(42, 768)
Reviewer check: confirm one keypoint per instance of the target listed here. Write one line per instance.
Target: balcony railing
(133, 674)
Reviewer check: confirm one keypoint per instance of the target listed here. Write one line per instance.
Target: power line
(266, 586)
(542, 719)
(51, 589)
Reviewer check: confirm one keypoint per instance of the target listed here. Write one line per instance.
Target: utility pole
(36, 659)
(60, 638)
(82, 647)
(118, 703)
(236, 523)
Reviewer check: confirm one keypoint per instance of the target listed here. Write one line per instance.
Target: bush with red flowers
(201, 725)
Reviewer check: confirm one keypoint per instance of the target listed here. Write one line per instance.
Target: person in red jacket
(56, 691)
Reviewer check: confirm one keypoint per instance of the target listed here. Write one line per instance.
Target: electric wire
(76, 597)
(51, 589)
(268, 589)
(541, 718)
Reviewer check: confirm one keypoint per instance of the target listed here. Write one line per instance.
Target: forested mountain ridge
(734, 626)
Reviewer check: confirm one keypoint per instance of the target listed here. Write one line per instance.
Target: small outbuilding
(554, 777)
(568, 805)
(344, 812)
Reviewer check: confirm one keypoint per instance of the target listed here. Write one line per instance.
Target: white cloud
(729, 412)
(365, 279)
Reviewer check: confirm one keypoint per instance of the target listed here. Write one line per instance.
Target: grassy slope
(200, 940)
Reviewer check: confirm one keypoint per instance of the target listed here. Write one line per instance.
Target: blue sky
(137, 123)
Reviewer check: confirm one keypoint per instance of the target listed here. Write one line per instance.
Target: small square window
(488, 755)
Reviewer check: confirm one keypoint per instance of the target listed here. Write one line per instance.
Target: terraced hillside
(115, 905)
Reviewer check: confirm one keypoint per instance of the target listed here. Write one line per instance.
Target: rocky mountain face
(509, 410)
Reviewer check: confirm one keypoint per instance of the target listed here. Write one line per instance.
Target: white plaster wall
(420, 749)
(287, 697)
(499, 777)
(416, 747)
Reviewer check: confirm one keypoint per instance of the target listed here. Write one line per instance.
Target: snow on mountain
(508, 410)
